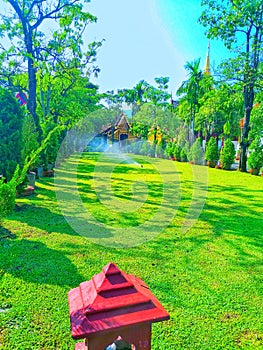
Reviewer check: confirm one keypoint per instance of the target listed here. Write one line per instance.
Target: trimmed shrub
(196, 154)
(7, 198)
(145, 148)
(255, 159)
(227, 155)
(212, 152)
(169, 150)
(177, 152)
(183, 155)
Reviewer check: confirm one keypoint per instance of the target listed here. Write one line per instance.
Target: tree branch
(50, 14)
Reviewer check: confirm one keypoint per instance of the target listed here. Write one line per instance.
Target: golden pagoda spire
(207, 69)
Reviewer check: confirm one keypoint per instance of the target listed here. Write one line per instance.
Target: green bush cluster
(143, 148)
(174, 150)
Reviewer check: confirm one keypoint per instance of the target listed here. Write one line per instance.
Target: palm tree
(192, 92)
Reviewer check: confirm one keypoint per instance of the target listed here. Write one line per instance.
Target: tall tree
(239, 23)
(29, 42)
(191, 91)
(158, 96)
(156, 117)
(219, 106)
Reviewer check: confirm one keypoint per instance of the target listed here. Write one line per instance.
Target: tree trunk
(32, 81)
(32, 86)
(32, 90)
(249, 99)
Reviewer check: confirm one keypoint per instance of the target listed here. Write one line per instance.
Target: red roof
(110, 300)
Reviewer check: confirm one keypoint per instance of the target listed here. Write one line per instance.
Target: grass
(209, 278)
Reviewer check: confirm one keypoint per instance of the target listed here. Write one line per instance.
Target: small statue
(120, 344)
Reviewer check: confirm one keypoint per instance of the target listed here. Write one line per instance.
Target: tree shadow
(5, 233)
(42, 218)
(34, 262)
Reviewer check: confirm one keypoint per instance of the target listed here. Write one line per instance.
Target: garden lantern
(113, 304)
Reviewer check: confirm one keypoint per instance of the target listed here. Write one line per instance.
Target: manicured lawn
(209, 277)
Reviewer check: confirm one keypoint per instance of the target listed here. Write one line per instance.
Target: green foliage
(159, 95)
(7, 198)
(196, 154)
(170, 149)
(174, 150)
(192, 92)
(160, 149)
(212, 152)
(257, 119)
(220, 107)
(183, 155)
(29, 139)
(255, 159)
(140, 130)
(11, 137)
(65, 95)
(239, 25)
(156, 117)
(227, 19)
(145, 148)
(227, 154)
(47, 50)
(142, 93)
(227, 128)
(51, 149)
(177, 152)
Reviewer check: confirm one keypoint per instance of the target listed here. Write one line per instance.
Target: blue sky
(145, 39)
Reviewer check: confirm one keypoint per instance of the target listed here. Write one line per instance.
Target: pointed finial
(207, 69)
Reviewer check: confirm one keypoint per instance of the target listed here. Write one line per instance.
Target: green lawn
(209, 277)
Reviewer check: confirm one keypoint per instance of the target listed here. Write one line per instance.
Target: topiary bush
(183, 155)
(196, 154)
(145, 148)
(177, 152)
(7, 198)
(51, 150)
(169, 150)
(212, 152)
(227, 155)
(255, 159)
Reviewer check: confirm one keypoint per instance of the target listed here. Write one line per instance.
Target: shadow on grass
(42, 218)
(34, 262)
(5, 233)
(230, 226)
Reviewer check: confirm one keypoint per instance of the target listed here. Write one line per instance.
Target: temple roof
(120, 123)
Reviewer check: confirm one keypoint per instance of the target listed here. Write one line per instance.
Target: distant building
(120, 131)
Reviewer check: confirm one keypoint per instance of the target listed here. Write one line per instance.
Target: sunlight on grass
(209, 278)
(118, 200)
